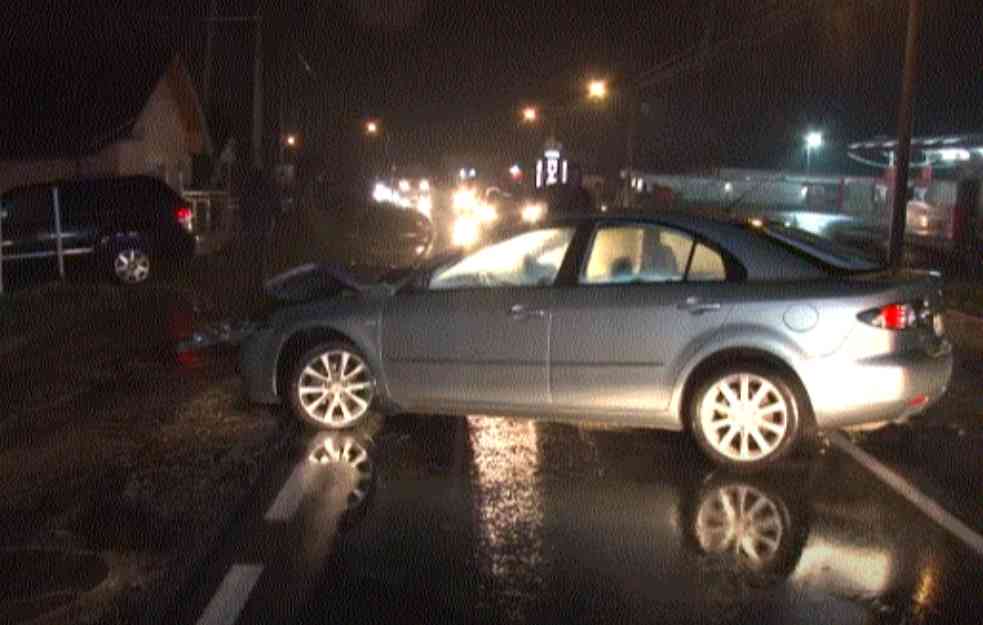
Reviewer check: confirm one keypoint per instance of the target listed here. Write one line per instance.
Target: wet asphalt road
(493, 520)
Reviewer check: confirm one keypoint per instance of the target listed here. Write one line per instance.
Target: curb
(165, 593)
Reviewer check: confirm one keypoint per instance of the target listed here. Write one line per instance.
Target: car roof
(82, 182)
(762, 258)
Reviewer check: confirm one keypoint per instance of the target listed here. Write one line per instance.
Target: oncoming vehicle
(127, 224)
(746, 335)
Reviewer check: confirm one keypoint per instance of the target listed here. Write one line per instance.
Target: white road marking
(289, 498)
(231, 596)
(928, 506)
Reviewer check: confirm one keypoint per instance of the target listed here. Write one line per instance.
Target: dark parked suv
(126, 224)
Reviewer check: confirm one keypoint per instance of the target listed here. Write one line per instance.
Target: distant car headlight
(466, 232)
(532, 213)
(425, 206)
(464, 200)
(487, 213)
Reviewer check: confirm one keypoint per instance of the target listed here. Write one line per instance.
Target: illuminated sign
(551, 170)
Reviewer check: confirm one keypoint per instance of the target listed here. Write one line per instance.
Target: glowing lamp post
(597, 89)
(814, 141)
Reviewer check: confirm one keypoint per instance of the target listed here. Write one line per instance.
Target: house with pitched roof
(119, 112)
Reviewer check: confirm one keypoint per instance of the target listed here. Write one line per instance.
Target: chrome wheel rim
(744, 417)
(132, 265)
(742, 521)
(336, 388)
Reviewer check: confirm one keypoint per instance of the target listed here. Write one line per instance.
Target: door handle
(518, 311)
(696, 306)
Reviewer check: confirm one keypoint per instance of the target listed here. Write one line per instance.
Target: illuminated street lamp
(814, 141)
(529, 114)
(372, 128)
(597, 89)
(290, 140)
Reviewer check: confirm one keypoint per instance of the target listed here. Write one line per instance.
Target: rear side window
(649, 253)
(30, 207)
(707, 266)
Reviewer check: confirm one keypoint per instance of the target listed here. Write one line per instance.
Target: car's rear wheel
(131, 263)
(332, 386)
(746, 417)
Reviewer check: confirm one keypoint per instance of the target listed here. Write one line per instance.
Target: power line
(698, 56)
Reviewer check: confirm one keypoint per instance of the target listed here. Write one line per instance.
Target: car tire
(747, 417)
(332, 387)
(130, 262)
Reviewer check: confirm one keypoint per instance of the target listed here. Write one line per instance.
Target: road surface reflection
(505, 520)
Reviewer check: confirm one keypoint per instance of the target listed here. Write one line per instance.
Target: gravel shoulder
(121, 460)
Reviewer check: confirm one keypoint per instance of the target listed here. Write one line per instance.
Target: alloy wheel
(336, 388)
(744, 417)
(132, 265)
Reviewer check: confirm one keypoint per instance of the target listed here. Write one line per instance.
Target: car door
(644, 296)
(477, 334)
(80, 231)
(28, 228)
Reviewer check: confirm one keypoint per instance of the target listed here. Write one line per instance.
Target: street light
(372, 128)
(597, 89)
(814, 141)
(291, 140)
(529, 114)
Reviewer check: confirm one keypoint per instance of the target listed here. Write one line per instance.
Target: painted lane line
(926, 505)
(231, 596)
(289, 498)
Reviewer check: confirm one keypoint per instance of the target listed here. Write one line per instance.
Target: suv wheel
(131, 263)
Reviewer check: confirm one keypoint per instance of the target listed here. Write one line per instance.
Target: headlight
(487, 213)
(464, 200)
(532, 213)
(425, 206)
(466, 232)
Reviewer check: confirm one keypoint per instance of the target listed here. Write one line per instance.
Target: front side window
(529, 259)
(647, 253)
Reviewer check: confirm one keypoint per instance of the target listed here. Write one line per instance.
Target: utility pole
(633, 109)
(209, 56)
(257, 139)
(905, 123)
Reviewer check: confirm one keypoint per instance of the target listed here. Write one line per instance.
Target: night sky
(447, 78)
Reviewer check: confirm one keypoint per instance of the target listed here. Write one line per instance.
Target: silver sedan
(745, 335)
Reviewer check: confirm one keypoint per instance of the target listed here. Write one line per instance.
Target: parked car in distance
(746, 335)
(127, 224)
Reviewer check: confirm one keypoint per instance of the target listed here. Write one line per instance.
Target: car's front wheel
(332, 386)
(746, 417)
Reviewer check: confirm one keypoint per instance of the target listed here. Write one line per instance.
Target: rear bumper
(885, 388)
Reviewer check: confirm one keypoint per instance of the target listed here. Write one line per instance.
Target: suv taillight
(184, 216)
(899, 316)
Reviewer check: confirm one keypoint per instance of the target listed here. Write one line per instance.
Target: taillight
(891, 317)
(184, 216)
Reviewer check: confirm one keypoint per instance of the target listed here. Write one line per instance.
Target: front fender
(356, 319)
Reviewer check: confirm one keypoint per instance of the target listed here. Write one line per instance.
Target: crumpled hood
(312, 281)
